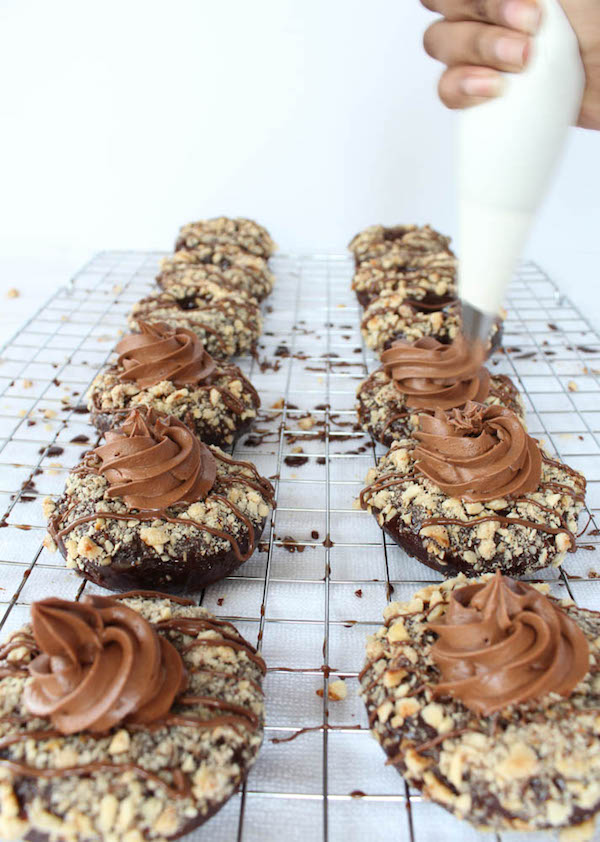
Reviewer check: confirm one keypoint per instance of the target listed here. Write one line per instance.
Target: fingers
(464, 86)
(487, 11)
(478, 40)
(476, 44)
(522, 15)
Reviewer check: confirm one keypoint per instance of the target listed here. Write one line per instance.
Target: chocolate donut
(425, 376)
(168, 370)
(432, 281)
(214, 258)
(124, 718)
(484, 695)
(404, 242)
(254, 281)
(221, 231)
(154, 507)
(228, 324)
(471, 492)
(390, 317)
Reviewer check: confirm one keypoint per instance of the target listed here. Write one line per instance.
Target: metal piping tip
(476, 325)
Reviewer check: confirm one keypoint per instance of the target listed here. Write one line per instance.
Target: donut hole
(187, 302)
(395, 233)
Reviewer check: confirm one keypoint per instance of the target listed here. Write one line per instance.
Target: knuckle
(481, 42)
(481, 10)
(485, 11)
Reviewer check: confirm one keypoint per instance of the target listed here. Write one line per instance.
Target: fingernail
(523, 16)
(488, 86)
(511, 51)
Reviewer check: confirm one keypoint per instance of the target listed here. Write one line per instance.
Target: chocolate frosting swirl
(479, 453)
(101, 663)
(160, 352)
(154, 461)
(436, 376)
(503, 643)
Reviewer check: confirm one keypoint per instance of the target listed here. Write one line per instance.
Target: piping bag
(508, 149)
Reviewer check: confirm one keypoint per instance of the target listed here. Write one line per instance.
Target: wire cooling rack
(324, 571)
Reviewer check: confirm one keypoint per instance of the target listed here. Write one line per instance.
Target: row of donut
(213, 284)
(405, 279)
(463, 488)
(134, 716)
(211, 289)
(159, 504)
(478, 689)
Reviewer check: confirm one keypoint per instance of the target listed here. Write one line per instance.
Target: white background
(121, 120)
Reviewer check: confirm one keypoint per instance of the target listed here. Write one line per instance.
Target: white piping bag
(508, 150)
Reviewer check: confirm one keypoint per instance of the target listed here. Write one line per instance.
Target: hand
(476, 39)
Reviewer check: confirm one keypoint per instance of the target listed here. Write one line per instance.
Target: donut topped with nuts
(255, 281)
(472, 492)
(404, 241)
(167, 369)
(243, 233)
(431, 280)
(484, 695)
(227, 323)
(424, 376)
(391, 317)
(155, 507)
(125, 718)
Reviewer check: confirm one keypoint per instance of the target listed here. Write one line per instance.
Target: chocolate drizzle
(179, 789)
(432, 280)
(225, 258)
(196, 276)
(413, 313)
(409, 241)
(219, 382)
(194, 625)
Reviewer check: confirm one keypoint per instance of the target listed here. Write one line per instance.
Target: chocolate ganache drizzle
(100, 663)
(160, 352)
(477, 454)
(503, 643)
(154, 461)
(435, 376)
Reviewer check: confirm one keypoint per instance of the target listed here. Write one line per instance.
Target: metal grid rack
(324, 571)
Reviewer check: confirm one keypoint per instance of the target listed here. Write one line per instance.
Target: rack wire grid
(324, 571)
